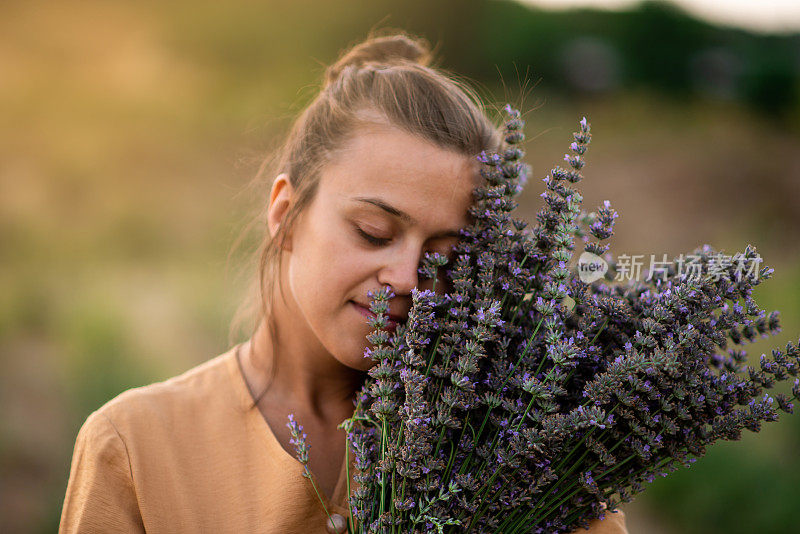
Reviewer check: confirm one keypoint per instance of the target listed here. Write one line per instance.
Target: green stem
(383, 475)
(598, 332)
(313, 485)
(525, 414)
(351, 524)
(433, 354)
(575, 448)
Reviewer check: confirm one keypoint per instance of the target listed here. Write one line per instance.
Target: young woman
(376, 171)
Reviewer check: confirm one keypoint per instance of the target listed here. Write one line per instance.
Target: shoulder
(134, 444)
(99, 434)
(166, 403)
(100, 494)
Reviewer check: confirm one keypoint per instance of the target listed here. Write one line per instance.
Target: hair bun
(385, 50)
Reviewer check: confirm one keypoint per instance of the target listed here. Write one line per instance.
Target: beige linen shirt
(187, 455)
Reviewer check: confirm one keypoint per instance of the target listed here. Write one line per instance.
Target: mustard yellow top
(187, 455)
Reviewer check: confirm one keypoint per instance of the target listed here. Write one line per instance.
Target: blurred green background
(130, 131)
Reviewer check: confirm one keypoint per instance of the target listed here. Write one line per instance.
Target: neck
(298, 376)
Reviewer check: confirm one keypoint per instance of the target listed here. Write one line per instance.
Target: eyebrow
(391, 210)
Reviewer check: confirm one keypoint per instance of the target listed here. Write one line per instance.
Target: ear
(280, 200)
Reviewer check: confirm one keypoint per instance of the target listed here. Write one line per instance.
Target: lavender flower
(526, 400)
(299, 441)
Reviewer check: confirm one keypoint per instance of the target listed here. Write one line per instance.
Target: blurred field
(129, 131)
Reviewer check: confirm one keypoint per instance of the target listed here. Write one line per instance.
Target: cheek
(343, 262)
(329, 267)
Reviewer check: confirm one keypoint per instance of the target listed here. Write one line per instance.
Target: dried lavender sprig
(621, 313)
(300, 442)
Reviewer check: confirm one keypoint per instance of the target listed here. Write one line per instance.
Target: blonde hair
(386, 78)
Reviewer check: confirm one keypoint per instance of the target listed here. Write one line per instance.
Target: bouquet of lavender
(528, 400)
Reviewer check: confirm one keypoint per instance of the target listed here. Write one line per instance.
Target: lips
(393, 319)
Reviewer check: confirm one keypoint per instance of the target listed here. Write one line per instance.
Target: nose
(400, 269)
(401, 273)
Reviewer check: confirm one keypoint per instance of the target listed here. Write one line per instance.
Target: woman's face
(383, 201)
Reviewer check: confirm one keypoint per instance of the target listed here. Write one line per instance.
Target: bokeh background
(130, 133)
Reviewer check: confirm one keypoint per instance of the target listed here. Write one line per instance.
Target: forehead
(408, 172)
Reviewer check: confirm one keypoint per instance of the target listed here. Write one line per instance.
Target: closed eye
(382, 241)
(377, 241)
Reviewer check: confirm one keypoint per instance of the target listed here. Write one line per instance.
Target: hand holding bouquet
(530, 400)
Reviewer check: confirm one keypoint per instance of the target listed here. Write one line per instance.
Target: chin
(352, 356)
(360, 363)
